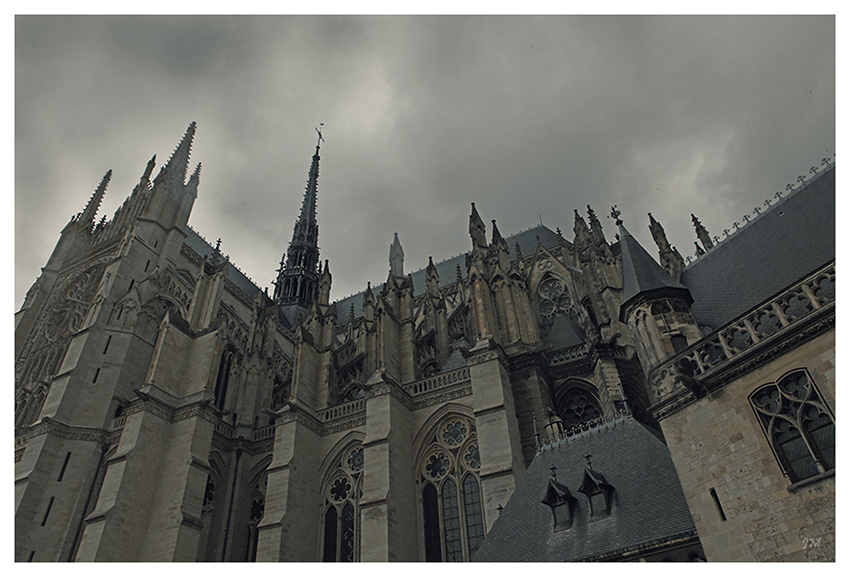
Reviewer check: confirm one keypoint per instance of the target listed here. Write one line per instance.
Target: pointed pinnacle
(93, 205)
(149, 168)
(178, 164)
(497, 236)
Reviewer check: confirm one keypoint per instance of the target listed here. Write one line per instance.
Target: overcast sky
(528, 117)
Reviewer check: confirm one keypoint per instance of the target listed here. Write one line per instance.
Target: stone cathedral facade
(529, 399)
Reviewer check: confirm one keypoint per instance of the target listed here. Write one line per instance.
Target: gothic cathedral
(537, 398)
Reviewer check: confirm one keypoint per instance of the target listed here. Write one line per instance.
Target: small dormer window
(562, 503)
(598, 491)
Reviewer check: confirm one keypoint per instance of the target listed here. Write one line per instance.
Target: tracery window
(553, 300)
(340, 518)
(798, 425)
(452, 515)
(578, 406)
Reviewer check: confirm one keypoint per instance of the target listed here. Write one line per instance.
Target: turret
(654, 305)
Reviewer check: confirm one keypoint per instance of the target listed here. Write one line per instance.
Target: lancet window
(798, 425)
(340, 515)
(225, 368)
(452, 515)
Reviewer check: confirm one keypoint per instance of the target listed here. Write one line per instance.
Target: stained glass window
(340, 535)
(453, 519)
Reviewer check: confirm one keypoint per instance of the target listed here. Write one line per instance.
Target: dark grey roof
(234, 275)
(648, 505)
(641, 273)
(794, 237)
(447, 269)
(564, 332)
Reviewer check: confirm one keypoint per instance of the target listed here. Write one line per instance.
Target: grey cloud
(525, 116)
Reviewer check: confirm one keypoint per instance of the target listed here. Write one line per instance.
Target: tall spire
(297, 280)
(178, 165)
(88, 214)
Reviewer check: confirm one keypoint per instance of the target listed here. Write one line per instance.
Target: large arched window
(798, 425)
(340, 515)
(453, 519)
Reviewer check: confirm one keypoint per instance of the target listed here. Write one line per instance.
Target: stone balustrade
(764, 321)
(437, 382)
(341, 411)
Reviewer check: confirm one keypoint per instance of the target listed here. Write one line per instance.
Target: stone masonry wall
(717, 444)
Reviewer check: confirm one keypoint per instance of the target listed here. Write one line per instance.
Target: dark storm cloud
(529, 117)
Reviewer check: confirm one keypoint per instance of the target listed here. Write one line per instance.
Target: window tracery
(452, 514)
(798, 425)
(578, 406)
(340, 515)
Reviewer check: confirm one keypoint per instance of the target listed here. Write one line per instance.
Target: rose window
(437, 465)
(454, 433)
(340, 489)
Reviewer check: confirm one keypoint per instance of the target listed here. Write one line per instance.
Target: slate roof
(234, 275)
(447, 269)
(641, 273)
(795, 237)
(647, 506)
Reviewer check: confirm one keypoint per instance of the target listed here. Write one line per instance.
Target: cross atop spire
(321, 138)
(615, 214)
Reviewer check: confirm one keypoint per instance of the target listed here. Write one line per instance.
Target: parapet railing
(437, 382)
(263, 433)
(777, 315)
(344, 410)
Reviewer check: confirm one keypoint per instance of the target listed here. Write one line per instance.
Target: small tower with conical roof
(654, 305)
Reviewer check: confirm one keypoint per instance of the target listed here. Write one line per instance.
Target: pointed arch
(429, 428)
(448, 466)
(341, 474)
(799, 426)
(577, 401)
